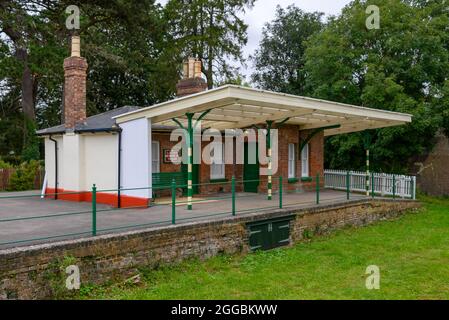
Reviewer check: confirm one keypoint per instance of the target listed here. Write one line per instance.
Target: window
(217, 167)
(305, 161)
(155, 157)
(291, 161)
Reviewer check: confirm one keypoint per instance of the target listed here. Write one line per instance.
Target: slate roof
(100, 122)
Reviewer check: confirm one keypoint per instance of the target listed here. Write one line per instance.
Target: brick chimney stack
(192, 81)
(75, 74)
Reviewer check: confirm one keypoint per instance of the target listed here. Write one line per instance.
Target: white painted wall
(87, 159)
(72, 175)
(50, 160)
(136, 157)
(100, 161)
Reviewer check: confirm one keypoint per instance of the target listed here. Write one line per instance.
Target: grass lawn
(411, 252)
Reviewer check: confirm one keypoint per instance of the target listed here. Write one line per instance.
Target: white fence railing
(405, 186)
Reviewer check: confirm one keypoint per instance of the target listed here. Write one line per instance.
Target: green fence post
(317, 188)
(94, 210)
(173, 201)
(233, 194)
(394, 187)
(372, 184)
(347, 185)
(280, 192)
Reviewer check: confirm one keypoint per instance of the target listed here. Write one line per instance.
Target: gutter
(119, 166)
(78, 131)
(56, 166)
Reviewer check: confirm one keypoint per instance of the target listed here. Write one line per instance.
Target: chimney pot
(192, 81)
(197, 69)
(76, 46)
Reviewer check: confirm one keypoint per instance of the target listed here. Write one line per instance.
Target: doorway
(251, 170)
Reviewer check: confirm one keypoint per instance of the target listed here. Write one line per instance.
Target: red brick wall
(164, 143)
(287, 134)
(75, 73)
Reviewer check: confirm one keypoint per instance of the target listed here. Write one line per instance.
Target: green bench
(162, 181)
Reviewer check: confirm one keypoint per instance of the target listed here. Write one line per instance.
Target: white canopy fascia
(233, 107)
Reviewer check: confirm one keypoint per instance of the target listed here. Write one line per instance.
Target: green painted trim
(293, 180)
(219, 180)
(94, 210)
(306, 179)
(201, 117)
(280, 124)
(314, 133)
(233, 194)
(179, 123)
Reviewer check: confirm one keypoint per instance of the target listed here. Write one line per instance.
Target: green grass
(412, 253)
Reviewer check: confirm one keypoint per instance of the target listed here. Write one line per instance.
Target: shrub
(23, 178)
(5, 165)
(13, 160)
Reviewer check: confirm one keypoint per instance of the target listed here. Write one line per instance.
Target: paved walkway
(45, 220)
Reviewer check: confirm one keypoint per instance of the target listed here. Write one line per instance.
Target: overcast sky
(264, 11)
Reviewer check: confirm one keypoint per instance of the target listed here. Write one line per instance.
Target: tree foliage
(211, 30)
(134, 51)
(279, 62)
(403, 66)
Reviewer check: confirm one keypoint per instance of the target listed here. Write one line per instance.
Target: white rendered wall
(100, 161)
(136, 157)
(50, 160)
(72, 173)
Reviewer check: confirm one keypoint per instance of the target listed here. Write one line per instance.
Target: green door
(251, 171)
(269, 234)
(195, 177)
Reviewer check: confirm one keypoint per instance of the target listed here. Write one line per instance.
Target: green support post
(94, 210)
(367, 173)
(372, 185)
(317, 188)
(394, 186)
(280, 192)
(233, 194)
(173, 201)
(348, 187)
(270, 162)
(190, 160)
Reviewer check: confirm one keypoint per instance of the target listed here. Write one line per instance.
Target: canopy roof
(233, 107)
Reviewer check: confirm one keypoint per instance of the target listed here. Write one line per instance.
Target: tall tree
(402, 66)
(279, 61)
(211, 30)
(125, 44)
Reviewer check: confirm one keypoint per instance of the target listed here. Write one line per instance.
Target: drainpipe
(119, 173)
(56, 166)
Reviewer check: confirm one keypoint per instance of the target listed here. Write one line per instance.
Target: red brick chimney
(192, 82)
(75, 74)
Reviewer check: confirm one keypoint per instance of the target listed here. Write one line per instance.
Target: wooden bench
(162, 181)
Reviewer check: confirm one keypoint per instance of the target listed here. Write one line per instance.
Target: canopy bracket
(314, 133)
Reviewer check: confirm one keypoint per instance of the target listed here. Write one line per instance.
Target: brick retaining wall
(36, 272)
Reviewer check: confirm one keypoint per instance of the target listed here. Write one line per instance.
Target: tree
(403, 66)
(279, 61)
(211, 30)
(125, 44)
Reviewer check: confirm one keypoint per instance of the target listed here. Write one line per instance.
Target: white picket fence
(383, 183)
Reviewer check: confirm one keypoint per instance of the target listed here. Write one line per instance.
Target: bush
(23, 178)
(13, 160)
(5, 165)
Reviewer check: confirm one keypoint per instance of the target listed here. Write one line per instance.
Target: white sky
(264, 11)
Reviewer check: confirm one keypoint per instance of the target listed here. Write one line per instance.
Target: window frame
(305, 163)
(158, 157)
(291, 167)
(222, 175)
